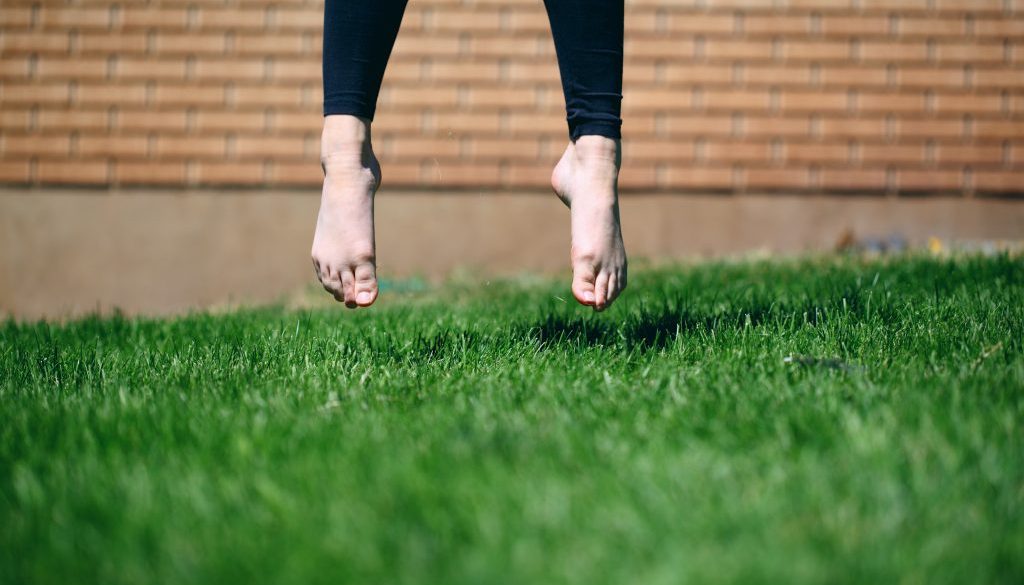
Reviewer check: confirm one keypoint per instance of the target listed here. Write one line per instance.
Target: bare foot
(344, 253)
(586, 180)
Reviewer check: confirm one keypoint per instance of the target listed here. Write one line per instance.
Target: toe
(583, 278)
(601, 291)
(613, 288)
(365, 284)
(330, 280)
(348, 290)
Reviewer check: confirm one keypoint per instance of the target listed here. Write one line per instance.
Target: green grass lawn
(499, 434)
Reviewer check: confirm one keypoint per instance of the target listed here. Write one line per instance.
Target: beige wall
(68, 252)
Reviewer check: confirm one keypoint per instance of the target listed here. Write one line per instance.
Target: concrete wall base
(70, 252)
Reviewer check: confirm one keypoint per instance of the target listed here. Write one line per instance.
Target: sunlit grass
(823, 420)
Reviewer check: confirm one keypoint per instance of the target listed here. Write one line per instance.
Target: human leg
(358, 38)
(589, 40)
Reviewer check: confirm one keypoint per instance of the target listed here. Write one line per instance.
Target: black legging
(359, 35)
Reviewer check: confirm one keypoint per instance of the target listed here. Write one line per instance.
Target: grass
(507, 436)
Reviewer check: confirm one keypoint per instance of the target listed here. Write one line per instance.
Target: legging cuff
(341, 106)
(611, 130)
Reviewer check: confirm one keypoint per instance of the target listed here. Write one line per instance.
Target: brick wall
(791, 95)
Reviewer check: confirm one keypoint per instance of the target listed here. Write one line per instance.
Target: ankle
(345, 137)
(597, 149)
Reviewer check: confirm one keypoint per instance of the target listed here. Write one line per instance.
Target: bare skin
(586, 180)
(344, 252)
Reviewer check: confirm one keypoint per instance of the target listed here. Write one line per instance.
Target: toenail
(363, 297)
(588, 296)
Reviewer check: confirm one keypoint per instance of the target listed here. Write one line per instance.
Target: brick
(54, 67)
(850, 25)
(684, 73)
(781, 178)
(149, 172)
(485, 71)
(404, 122)
(229, 173)
(72, 172)
(408, 147)
(810, 152)
(106, 43)
(207, 147)
(207, 43)
(977, 53)
(141, 68)
(738, 151)
(247, 18)
(23, 42)
(929, 128)
(748, 94)
(659, 150)
(81, 18)
(854, 127)
(115, 145)
(691, 23)
(513, 97)
(658, 99)
(698, 177)
(269, 44)
(972, 154)
(678, 125)
(778, 126)
(280, 148)
(931, 77)
(999, 181)
(11, 119)
(992, 79)
(230, 69)
(188, 95)
(910, 102)
(1000, 129)
(300, 18)
(731, 49)
(486, 123)
(14, 171)
(977, 104)
(14, 68)
(930, 180)
(776, 75)
(638, 176)
(152, 121)
(651, 48)
(444, 97)
(853, 179)
(431, 46)
(248, 122)
(301, 174)
(461, 174)
(50, 94)
(15, 17)
(812, 101)
(874, 76)
(25, 145)
(502, 149)
(999, 27)
(894, 51)
(109, 94)
(76, 119)
(146, 17)
(931, 27)
(882, 154)
(817, 51)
